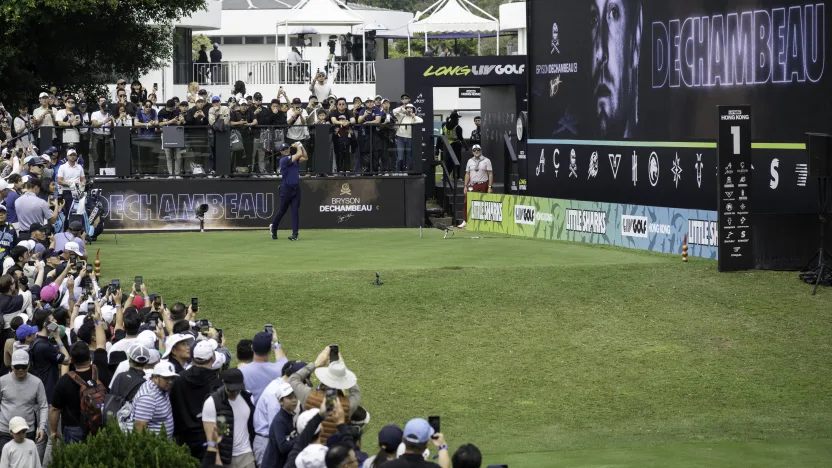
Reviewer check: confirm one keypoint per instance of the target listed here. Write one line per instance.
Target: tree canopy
(82, 44)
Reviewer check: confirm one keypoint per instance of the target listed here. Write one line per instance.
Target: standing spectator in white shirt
(102, 122)
(22, 453)
(44, 115)
(320, 87)
(406, 118)
(70, 174)
(69, 120)
(478, 178)
(24, 123)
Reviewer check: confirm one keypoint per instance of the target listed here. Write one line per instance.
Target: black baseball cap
(233, 380)
(258, 96)
(405, 95)
(52, 253)
(36, 227)
(296, 101)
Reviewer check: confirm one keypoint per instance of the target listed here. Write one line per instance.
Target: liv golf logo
(633, 226)
(487, 211)
(524, 214)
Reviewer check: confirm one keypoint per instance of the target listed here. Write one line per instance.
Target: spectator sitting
(261, 371)
(23, 452)
(244, 353)
(188, 395)
(417, 433)
(467, 456)
(151, 406)
(22, 395)
(336, 376)
(389, 438)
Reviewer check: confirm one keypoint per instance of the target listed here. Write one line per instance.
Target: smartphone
(434, 423)
(152, 324)
(89, 268)
(268, 328)
(155, 85)
(90, 308)
(222, 426)
(79, 264)
(219, 335)
(194, 304)
(333, 353)
(116, 284)
(331, 398)
(73, 258)
(52, 327)
(138, 283)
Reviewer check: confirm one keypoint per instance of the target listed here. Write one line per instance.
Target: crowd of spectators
(369, 135)
(79, 353)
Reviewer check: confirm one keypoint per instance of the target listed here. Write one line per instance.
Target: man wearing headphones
(290, 189)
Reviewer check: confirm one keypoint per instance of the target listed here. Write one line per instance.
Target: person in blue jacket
(290, 189)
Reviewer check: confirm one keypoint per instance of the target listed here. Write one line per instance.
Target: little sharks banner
(633, 226)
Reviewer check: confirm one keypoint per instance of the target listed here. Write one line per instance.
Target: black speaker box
(819, 146)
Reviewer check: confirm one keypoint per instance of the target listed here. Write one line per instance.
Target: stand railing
(450, 176)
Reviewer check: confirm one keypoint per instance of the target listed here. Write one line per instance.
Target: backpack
(119, 407)
(93, 394)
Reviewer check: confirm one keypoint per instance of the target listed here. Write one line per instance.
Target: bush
(113, 448)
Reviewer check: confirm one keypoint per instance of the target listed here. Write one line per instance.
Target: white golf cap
(20, 358)
(72, 247)
(42, 95)
(164, 369)
(284, 390)
(4, 185)
(29, 244)
(203, 351)
(18, 424)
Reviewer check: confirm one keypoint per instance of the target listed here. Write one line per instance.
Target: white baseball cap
(219, 360)
(20, 357)
(29, 244)
(203, 351)
(4, 185)
(164, 369)
(284, 390)
(42, 95)
(147, 338)
(108, 312)
(72, 247)
(18, 424)
(71, 151)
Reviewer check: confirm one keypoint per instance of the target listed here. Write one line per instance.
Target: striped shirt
(153, 405)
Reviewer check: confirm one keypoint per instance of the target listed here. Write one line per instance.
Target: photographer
(297, 119)
(319, 86)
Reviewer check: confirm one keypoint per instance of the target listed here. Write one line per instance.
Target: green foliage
(198, 40)
(112, 448)
(82, 44)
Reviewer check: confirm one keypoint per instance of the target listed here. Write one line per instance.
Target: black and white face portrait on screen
(616, 28)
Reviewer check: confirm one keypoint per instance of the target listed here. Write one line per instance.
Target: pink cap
(49, 292)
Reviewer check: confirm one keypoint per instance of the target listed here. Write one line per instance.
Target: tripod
(819, 268)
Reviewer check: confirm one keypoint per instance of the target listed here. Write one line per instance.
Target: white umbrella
(304, 30)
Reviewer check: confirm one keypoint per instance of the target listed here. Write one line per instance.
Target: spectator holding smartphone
(417, 433)
(262, 371)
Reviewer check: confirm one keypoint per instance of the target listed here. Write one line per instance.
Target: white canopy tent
(319, 13)
(451, 16)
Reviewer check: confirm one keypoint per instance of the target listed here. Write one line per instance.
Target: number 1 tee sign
(736, 248)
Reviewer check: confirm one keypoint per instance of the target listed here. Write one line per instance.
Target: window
(215, 40)
(232, 40)
(255, 40)
(271, 40)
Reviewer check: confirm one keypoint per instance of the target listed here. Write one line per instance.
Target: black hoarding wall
(662, 78)
(422, 74)
(624, 95)
(331, 202)
(498, 116)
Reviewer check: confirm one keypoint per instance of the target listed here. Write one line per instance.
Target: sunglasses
(21, 367)
(477, 151)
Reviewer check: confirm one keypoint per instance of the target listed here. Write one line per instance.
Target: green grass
(544, 354)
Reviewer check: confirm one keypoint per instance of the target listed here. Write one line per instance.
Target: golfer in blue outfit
(290, 189)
